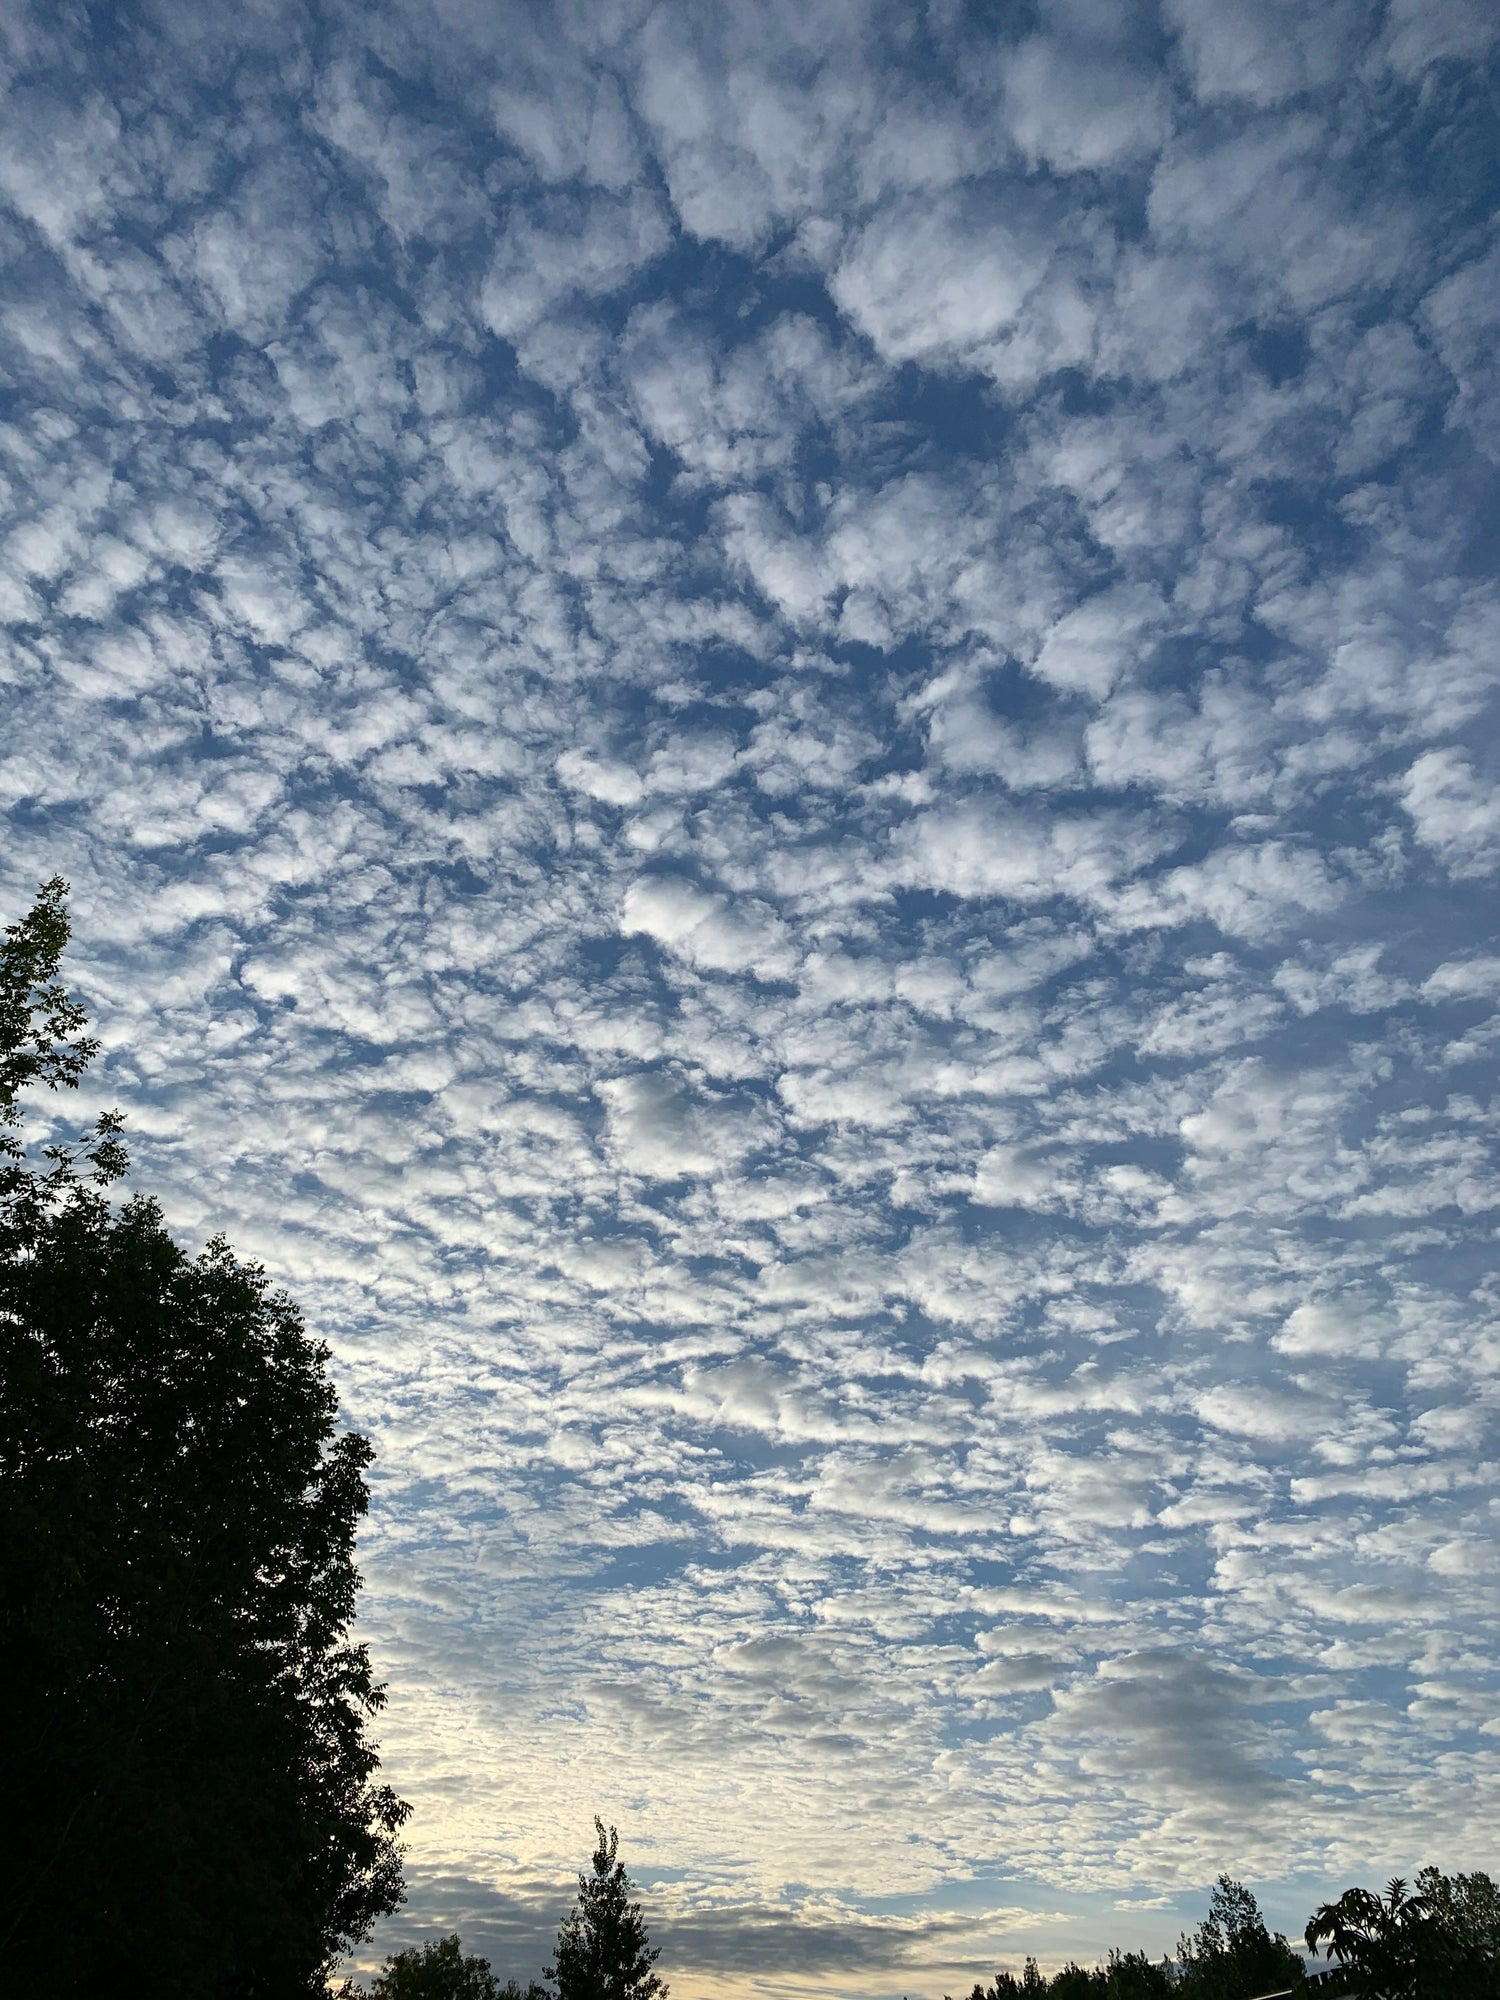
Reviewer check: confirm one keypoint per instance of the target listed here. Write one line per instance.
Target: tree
(1130, 1975)
(1232, 1955)
(1375, 1937)
(187, 1795)
(1461, 1935)
(1075, 1982)
(1123, 1976)
(1005, 1985)
(602, 1949)
(1442, 1942)
(443, 1971)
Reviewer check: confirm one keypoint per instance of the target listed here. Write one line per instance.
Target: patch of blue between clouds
(776, 734)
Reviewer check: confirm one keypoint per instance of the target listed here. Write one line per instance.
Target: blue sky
(775, 730)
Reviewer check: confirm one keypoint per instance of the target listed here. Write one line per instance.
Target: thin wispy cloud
(776, 734)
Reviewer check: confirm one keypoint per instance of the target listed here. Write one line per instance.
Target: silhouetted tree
(1130, 1975)
(1005, 1985)
(602, 1949)
(187, 1805)
(1123, 1976)
(1462, 1935)
(1231, 1955)
(1075, 1982)
(1375, 1937)
(1441, 1942)
(444, 1971)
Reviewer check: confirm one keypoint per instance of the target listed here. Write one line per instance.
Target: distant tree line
(1440, 1942)
(1230, 1956)
(189, 1805)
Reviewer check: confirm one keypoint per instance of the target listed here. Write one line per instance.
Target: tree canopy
(190, 1805)
(1231, 1955)
(603, 1952)
(1440, 1941)
(1123, 1976)
(443, 1970)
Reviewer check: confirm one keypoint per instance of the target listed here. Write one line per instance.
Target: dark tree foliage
(444, 1971)
(1074, 1982)
(187, 1796)
(1130, 1975)
(1123, 1976)
(1461, 1926)
(1005, 1985)
(1231, 1955)
(1441, 1942)
(602, 1949)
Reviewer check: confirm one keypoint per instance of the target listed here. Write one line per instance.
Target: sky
(775, 731)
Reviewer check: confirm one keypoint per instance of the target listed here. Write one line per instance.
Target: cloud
(1087, 651)
(1339, 1326)
(1184, 1720)
(659, 1128)
(1453, 810)
(774, 746)
(1246, 891)
(1264, 54)
(562, 245)
(1072, 109)
(1418, 36)
(1462, 979)
(974, 851)
(571, 127)
(1253, 1411)
(933, 283)
(708, 930)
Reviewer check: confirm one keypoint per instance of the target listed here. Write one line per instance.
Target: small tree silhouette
(443, 1970)
(603, 1952)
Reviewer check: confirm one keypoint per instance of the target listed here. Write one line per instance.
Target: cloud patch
(775, 745)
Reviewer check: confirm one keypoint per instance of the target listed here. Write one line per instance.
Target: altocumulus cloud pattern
(775, 727)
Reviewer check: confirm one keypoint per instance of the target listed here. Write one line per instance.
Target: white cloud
(712, 931)
(1267, 52)
(1454, 810)
(775, 763)
(1087, 651)
(564, 245)
(1462, 314)
(256, 256)
(1073, 109)
(1248, 891)
(937, 281)
(1462, 979)
(975, 851)
(606, 779)
(1336, 1326)
(1015, 1177)
(1422, 32)
(571, 127)
(663, 1130)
